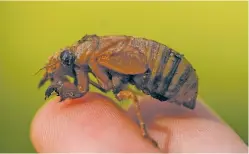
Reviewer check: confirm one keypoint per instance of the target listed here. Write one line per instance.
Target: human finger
(92, 123)
(178, 129)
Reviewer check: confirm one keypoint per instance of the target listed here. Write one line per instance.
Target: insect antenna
(44, 68)
(39, 70)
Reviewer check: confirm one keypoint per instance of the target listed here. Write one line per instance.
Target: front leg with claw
(54, 87)
(64, 90)
(69, 90)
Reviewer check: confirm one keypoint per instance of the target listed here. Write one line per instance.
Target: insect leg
(69, 90)
(54, 87)
(129, 95)
(118, 85)
(47, 77)
(81, 80)
(101, 75)
(97, 86)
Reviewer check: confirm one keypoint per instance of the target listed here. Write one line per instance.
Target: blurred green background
(212, 35)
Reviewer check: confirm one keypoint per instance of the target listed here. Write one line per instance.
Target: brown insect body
(152, 67)
(117, 61)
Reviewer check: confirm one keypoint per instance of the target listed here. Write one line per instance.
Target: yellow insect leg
(130, 95)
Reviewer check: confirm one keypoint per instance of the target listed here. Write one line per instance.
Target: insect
(116, 62)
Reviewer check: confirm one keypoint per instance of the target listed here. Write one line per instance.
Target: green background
(212, 35)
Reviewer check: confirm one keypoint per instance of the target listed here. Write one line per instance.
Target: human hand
(95, 124)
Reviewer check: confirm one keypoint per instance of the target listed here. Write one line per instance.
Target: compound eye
(67, 58)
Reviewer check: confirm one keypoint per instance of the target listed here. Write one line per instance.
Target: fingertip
(93, 123)
(53, 108)
(178, 129)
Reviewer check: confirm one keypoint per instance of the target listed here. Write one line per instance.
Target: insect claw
(62, 99)
(46, 97)
(49, 91)
(118, 98)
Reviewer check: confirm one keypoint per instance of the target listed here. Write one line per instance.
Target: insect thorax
(84, 47)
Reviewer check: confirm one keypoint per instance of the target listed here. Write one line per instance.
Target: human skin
(94, 123)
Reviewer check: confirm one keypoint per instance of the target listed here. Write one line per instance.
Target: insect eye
(67, 58)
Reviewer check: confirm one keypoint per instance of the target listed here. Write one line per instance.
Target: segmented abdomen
(169, 77)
